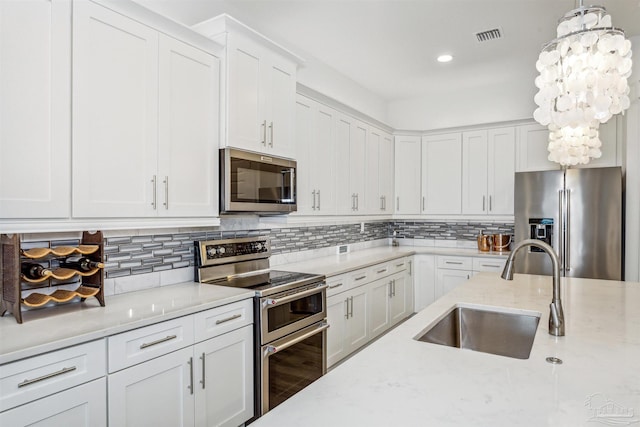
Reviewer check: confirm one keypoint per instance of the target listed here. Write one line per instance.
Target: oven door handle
(268, 302)
(271, 349)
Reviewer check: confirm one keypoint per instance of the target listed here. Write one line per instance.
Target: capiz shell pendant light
(582, 83)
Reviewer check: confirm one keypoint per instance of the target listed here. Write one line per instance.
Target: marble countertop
(344, 263)
(65, 325)
(400, 381)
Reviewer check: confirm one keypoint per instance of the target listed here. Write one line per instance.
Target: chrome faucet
(556, 317)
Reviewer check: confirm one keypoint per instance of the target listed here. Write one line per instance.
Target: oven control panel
(214, 252)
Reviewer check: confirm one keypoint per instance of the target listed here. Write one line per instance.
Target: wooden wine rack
(90, 284)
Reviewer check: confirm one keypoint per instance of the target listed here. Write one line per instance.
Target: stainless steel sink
(498, 332)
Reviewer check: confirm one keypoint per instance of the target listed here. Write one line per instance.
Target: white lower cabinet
(424, 281)
(84, 405)
(448, 280)
(452, 271)
(209, 383)
(369, 302)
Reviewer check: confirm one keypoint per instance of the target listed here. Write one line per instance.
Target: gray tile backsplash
(142, 254)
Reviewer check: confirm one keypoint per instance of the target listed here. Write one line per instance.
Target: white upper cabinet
(532, 154)
(442, 174)
(189, 82)
(357, 155)
(35, 108)
(373, 199)
(315, 138)
(345, 134)
(145, 127)
(385, 174)
(488, 158)
(261, 88)
(407, 175)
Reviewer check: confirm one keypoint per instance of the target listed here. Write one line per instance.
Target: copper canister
(484, 242)
(501, 242)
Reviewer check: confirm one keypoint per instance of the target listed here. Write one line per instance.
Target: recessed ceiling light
(445, 58)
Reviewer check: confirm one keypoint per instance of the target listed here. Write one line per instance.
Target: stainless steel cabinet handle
(490, 265)
(381, 203)
(397, 203)
(490, 204)
(360, 278)
(346, 308)
(264, 133)
(567, 264)
(483, 202)
(390, 290)
(204, 359)
(423, 200)
(353, 202)
(410, 265)
(314, 200)
(335, 286)
(399, 265)
(190, 386)
(351, 304)
(453, 262)
(161, 340)
(166, 192)
(154, 201)
(295, 296)
(270, 349)
(357, 201)
(228, 319)
(271, 134)
(382, 271)
(318, 199)
(46, 376)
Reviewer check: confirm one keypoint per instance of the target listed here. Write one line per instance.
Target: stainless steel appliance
(576, 211)
(256, 183)
(289, 315)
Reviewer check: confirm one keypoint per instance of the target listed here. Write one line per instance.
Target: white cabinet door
(83, 405)
(35, 108)
(280, 84)
(407, 175)
(345, 133)
(379, 308)
(357, 330)
(398, 307)
(425, 280)
(158, 392)
(532, 149)
(474, 172)
(373, 202)
(322, 160)
(357, 150)
(115, 115)
(385, 174)
(337, 313)
(501, 171)
(447, 280)
(223, 382)
(442, 174)
(305, 130)
(247, 121)
(189, 96)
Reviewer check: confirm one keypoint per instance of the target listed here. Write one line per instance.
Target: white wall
(324, 79)
(632, 229)
(488, 102)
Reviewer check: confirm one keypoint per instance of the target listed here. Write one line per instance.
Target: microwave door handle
(271, 302)
(292, 182)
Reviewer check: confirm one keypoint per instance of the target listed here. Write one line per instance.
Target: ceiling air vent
(485, 36)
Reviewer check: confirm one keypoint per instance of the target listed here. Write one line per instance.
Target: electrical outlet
(343, 249)
(361, 227)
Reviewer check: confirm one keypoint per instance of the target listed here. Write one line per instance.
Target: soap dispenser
(394, 241)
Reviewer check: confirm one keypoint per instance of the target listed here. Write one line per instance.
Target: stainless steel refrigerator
(579, 213)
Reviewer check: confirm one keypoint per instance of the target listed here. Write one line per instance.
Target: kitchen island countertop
(400, 381)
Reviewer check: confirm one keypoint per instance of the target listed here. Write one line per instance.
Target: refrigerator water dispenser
(541, 229)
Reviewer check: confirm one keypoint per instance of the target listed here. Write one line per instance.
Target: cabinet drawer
(130, 348)
(455, 262)
(30, 379)
(488, 264)
(398, 265)
(379, 271)
(337, 284)
(220, 320)
(360, 277)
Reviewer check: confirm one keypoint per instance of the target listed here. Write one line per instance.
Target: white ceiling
(389, 46)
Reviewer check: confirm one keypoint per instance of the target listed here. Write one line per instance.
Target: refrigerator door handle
(567, 242)
(561, 240)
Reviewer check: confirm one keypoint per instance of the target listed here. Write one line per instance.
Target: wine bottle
(34, 271)
(80, 263)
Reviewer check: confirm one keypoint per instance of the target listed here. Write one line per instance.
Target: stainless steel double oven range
(289, 315)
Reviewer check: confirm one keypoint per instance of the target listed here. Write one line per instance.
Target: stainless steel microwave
(256, 183)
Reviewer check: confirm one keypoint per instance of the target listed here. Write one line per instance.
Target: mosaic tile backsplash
(131, 255)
